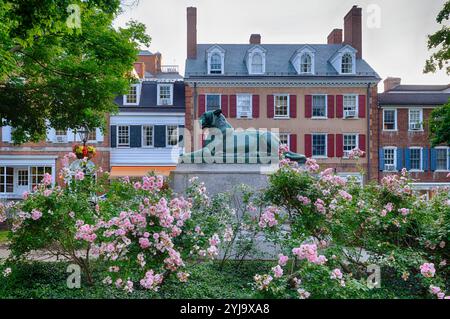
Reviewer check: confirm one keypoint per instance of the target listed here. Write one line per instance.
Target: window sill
(123, 147)
(130, 104)
(390, 130)
(394, 171)
(244, 118)
(320, 157)
(351, 118)
(319, 118)
(416, 171)
(441, 171)
(416, 131)
(281, 117)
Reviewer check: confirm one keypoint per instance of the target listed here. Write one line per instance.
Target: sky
(394, 31)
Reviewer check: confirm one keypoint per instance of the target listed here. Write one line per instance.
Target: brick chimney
(353, 29)
(335, 37)
(255, 39)
(158, 62)
(191, 33)
(139, 67)
(391, 83)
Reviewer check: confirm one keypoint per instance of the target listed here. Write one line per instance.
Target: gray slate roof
(413, 98)
(278, 62)
(406, 88)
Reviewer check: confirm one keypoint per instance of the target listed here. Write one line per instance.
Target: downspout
(368, 97)
(194, 116)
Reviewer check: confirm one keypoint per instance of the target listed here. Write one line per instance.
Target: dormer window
(133, 96)
(165, 94)
(347, 64)
(257, 63)
(216, 64)
(305, 63)
(303, 60)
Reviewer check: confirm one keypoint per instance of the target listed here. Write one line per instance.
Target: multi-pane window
(347, 63)
(441, 159)
(319, 145)
(132, 96)
(92, 135)
(123, 136)
(350, 106)
(284, 139)
(165, 94)
(415, 119)
(319, 106)
(212, 102)
(147, 136)
(305, 63)
(350, 143)
(60, 136)
(216, 64)
(389, 159)
(22, 177)
(37, 173)
(257, 63)
(244, 106)
(281, 106)
(6, 179)
(415, 157)
(172, 135)
(389, 120)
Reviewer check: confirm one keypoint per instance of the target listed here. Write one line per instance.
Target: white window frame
(395, 118)
(352, 56)
(117, 137)
(138, 94)
(287, 116)
(216, 94)
(167, 135)
(420, 119)
(343, 142)
(3, 180)
(61, 138)
(288, 138)
(326, 146)
(357, 176)
(356, 106)
(238, 113)
(326, 107)
(159, 100)
(448, 150)
(216, 50)
(143, 138)
(311, 61)
(394, 148)
(263, 61)
(420, 159)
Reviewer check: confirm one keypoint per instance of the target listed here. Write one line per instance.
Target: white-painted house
(146, 134)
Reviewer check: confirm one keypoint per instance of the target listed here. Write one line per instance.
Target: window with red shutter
(308, 145)
(233, 110)
(255, 106)
(339, 145)
(362, 143)
(270, 108)
(201, 104)
(293, 143)
(330, 145)
(308, 106)
(293, 106)
(362, 106)
(330, 106)
(224, 105)
(339, 106)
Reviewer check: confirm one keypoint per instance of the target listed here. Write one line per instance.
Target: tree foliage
(56, 74)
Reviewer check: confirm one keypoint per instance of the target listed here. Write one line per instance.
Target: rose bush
(331, 229)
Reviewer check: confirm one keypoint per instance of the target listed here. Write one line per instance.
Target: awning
(137, 171)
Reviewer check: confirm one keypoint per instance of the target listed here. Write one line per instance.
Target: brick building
(321, 97)
(404, 134)
(22, 166)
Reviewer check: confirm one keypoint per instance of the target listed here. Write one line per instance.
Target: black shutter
(135, 136)
(113, 135)
(180, 135)
(160, 136)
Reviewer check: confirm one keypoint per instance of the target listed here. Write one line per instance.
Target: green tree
(440, 41)
(62, 69)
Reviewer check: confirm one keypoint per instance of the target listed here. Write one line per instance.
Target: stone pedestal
(219, 178)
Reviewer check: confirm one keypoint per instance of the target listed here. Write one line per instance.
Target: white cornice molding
(278, 83)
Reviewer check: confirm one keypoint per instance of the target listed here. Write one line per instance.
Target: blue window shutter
(399, 159)
(425, 159)
(113, 134)
(381, 159)
(408, 158)
(135, 136)
(160, 136)
(448, 161)
(433, 159)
